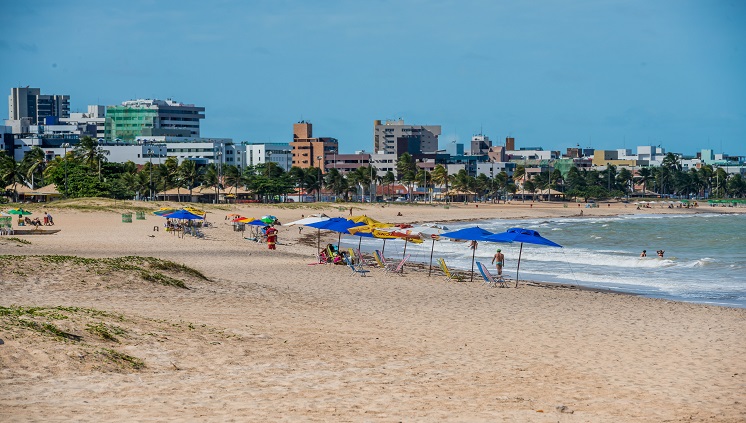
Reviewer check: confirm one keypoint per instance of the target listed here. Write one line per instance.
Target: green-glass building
(144, 118)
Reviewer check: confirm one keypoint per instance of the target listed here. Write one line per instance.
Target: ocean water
(704, 261)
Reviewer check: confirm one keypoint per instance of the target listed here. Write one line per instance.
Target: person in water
(660, 253)
(644, 253)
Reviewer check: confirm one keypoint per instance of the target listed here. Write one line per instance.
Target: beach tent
(523, 236)
(474, 233)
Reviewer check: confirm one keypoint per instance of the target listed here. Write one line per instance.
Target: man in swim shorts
(499, 260)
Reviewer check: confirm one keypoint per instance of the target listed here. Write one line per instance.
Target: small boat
(35, 231)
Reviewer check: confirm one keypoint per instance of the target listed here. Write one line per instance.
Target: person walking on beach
(271, 238)
(644, 254)
(499, 260)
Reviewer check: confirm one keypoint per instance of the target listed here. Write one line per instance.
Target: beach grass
(149, 269)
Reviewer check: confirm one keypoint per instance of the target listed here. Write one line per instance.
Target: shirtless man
(499, 258)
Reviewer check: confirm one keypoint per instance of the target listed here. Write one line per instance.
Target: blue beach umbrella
(474, 233)
(336, 224)
(521, 235)
(183, 214)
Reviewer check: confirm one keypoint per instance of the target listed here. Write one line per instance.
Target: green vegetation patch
(106, 332)
(148, 268)
(19, 240)
(122, 359)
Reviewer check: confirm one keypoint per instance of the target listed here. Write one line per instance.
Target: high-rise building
(145, 118)
(393, 136)
(25, 102)
(309, 151)
(480, 144)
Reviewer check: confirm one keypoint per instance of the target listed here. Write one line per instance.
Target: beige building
(309, 151)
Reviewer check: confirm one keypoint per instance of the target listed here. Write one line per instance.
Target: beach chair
(378, 256)
(397, 267)
(353, 257)
(490, 280)
(356, 270)
(447, 272)
(361, 258)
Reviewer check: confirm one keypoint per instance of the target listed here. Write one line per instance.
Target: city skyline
(604, 75)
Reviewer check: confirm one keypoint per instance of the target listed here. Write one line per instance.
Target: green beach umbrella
(19, 211)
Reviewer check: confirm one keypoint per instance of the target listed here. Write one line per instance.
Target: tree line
(85, 172)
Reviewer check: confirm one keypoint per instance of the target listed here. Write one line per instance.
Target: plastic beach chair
(356, 269)
(378, 256)
(449, 275)
(490, 280)
(398, 267)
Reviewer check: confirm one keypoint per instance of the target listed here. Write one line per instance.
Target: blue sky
(598, 73)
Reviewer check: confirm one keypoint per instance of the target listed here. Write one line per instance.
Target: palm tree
(34, 162)
(89, 152)
(439, 176)
(406, 170)
(644, 174)
(168, 173)
(212, 179)
(189, 175)
(671, 162)
(11, 173)
(389, 178)
(519, 174)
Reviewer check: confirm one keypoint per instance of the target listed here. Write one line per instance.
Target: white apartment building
(280, 153)
(93, 122)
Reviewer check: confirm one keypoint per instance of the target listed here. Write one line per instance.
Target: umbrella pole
(318, 240)
(405, 248)
(383, 250)
(431, 258)
(474, 251)
(519, 265)
(339, 240)
(359, 242)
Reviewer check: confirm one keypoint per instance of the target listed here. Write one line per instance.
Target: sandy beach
(261, 335)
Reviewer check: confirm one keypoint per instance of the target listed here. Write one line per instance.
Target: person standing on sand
(499, 260)
(644, 254)
(271, 238)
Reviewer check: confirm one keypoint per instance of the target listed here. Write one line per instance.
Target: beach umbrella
(307, 220)
(474, 233)
(432, 231)
(195, 210)
(342, 227)
(369, 230)
(521, 235)
(268, 219)
(164, 210)
(328, 224)
(363, 219)
(19, 211)
(182, 214)
(256, 222)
